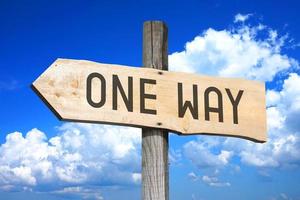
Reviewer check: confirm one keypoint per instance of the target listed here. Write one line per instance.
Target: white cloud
(201, 154)
(209, 180)
(263, 160)
(273, 97)
(290, 104)
(234, 53)
(174, 156)
(275, 119)
(81, 154)
(83, 192)
(241, 18)
(214, 181)
(283, 147)
(136, 177)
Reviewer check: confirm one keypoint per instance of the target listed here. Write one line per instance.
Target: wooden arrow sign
(84, 91)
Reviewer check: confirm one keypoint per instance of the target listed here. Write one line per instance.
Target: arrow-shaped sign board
(84, 91)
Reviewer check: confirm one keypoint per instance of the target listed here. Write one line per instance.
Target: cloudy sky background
(42, 158)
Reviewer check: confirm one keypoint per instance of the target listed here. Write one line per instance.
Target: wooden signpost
(156, 100)
(185, 103)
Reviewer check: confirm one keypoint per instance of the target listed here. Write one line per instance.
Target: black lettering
(187, 104)
(118, 86)
(89, 90)
(235, 103)
(144, 96)
(209, 109)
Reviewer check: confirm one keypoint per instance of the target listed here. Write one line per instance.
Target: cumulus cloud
(238, 52)
(203, 155)
(283, 148)
(81, 154)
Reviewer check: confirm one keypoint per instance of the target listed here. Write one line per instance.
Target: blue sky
(43, 158)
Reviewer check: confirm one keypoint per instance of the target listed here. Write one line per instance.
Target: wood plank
(63, 86)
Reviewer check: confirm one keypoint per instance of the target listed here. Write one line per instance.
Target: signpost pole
(155, 165)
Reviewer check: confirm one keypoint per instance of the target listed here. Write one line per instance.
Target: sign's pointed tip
(34, 87)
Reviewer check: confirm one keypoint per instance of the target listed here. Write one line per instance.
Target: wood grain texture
(63, 87)
(155, 142)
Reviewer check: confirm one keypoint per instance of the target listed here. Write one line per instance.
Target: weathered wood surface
(63, 86)
(155, 165)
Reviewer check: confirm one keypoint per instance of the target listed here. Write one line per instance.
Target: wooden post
(155, 165)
